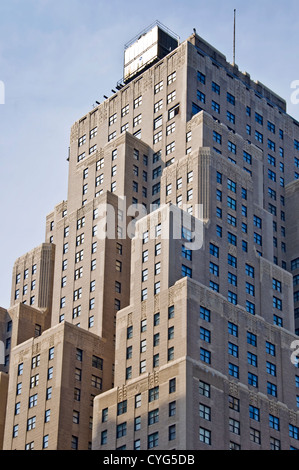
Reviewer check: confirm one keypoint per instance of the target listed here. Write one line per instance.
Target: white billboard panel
(141, 52)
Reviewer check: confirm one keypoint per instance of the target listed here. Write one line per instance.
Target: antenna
(234, 47)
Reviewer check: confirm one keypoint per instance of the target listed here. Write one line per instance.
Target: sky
(57, 58)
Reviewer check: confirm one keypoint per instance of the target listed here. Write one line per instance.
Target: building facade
(171, 269)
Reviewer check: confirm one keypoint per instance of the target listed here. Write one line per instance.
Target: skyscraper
(160, 312)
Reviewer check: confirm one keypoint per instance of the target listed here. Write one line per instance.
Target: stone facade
(123, 331)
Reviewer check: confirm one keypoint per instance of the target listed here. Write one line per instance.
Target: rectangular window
(271, 127)
(277, 303)
(137, 423)
(121, 430)
(205, 356)
(252, 359)
(249, 289)
(234, 403)
(156, 189)
(234, 426)
(255, 436)
(276, 285)
(271, 389)
(259, 119)
(31, 423)
(195, 109)
(158, 87)
(35, 362)
(96, 382)
(157, 287)
(153, 394)
(259, 137)
(271, 368)
(232, 260)
(205, 335)
(97, 362)
(217, 137)
(186, 253)
(270, 348)
(271, 160)
(257, 238)
(231, 238)
(230, 98)
(170, 129)
(111, 136)
(186, 271)
(232, 279)
(250, 307)
(153, 417)
(104, 437)
(137, 102)
(172, 409)
(153, 440)
(271, 145)
(216, 88)
(158, 122)
(233, 350)
(295, 264)
(144, 294)
(231, 117)
(251, 339)
(214, 269)
(121, 407)
(247, 157)
(272, 175)
(81, 140)
(170, 148)
(173, 111)
(204, 389)
(214, 250)
(233, 370)
(171, 312)
(125, 110)
(45, 441)
(254, 413)
(158, 106)
(92, 149)
(232, 147)
(252, 379)
(232, 297)
(294, 432)
(216, 107)
(232, 329)
(112, 119)
(205, 436)
(205, 314)
(201, 77)
(231, 185)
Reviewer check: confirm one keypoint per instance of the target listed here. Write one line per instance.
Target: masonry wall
(190, 131)
(53, 380)
(3, 399)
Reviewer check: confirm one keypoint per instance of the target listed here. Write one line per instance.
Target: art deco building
(162, 308)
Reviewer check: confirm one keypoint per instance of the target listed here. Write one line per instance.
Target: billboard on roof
(148, 47)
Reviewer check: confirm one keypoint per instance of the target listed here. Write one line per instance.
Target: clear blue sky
(58, 57)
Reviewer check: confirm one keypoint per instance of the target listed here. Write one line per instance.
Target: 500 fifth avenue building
(161, 311)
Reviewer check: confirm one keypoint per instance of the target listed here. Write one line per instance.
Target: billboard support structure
(149, 46)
